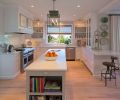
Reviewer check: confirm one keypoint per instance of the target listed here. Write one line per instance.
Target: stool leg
(115, 82)
(105, 80)
(101, 76)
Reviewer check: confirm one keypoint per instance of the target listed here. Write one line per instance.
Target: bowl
(51, 58)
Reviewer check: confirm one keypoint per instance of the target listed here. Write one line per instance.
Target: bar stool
(109, 73)
(114, 66)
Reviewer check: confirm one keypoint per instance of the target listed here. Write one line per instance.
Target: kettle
(10, 48)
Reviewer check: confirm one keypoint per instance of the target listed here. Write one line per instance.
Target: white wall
(1, 19)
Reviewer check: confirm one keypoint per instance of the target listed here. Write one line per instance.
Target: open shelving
(40, 87)
(45, 98)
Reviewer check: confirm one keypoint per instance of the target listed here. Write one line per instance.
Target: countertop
(58, 45)
(9, 53)
(43, 65)
(105, 52)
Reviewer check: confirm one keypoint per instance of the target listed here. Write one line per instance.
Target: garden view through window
(61, 35)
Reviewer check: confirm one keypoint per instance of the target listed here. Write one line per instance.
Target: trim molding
(10, 77)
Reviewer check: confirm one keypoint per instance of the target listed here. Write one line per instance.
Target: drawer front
(45, 73)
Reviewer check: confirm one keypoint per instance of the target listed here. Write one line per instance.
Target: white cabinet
(9, 65)
(1, 20)
(87, 57)
(78, 50)
(17, 20)
(37, 29)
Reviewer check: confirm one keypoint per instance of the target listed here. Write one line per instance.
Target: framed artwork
(23, 21)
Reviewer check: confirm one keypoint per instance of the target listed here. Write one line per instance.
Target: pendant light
(53, 17)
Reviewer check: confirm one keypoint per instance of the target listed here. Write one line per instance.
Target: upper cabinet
(18, 20)
(37, 29)
(1, 19)
(80, 29)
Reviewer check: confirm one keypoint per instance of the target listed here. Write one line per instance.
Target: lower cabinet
(9, 65)
(45, 86)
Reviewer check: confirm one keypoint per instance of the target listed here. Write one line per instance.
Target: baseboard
(10, 77)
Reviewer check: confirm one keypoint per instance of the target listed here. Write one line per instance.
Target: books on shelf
(54, 98)
(37, 98)
(37, 84)
(46, 98)
(52, 86)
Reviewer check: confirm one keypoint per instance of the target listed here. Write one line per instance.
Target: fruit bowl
(50, 58)
(51, 55)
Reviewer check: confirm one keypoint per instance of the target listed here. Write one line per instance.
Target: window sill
(58, 45)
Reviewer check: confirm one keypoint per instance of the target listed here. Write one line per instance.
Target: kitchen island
(42, 73)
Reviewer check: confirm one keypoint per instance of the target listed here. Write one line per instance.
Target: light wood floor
(80, 85)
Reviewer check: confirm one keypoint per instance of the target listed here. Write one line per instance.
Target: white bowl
(51, 58)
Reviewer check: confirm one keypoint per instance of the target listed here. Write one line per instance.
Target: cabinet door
(30, 24)
(23, 21)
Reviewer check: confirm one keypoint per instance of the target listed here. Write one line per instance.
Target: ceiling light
(78, 6)
(32, 6)
(53, 17)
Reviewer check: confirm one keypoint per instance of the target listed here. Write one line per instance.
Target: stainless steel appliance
(27, 55)
(70, 53)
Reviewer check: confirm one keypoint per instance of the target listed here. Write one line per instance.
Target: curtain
(115, 32)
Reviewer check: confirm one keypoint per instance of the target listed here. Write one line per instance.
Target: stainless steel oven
(25, 60)
(30, 57)
(27, 56)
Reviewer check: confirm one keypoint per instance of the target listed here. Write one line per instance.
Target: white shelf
(47, 93)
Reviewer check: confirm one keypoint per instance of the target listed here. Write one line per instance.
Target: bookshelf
(45, 85)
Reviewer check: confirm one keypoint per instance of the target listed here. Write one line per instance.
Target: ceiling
(68, 8)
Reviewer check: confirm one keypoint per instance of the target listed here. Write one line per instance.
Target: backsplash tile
(13, 39)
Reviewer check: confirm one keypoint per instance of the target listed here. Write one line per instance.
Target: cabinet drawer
(45, 73)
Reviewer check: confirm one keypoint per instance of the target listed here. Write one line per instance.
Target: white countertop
(58, 45)
(105, 52)
(43, 65)
(9, 53)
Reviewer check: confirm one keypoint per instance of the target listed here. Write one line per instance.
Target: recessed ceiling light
(78, 6)
(32, 6)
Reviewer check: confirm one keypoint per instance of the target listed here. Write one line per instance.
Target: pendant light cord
(54, 4)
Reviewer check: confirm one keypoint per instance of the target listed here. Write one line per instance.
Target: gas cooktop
(25, 50)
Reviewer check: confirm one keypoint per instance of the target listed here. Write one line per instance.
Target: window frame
(46, 36)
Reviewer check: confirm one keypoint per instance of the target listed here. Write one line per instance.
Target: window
(60, 34)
